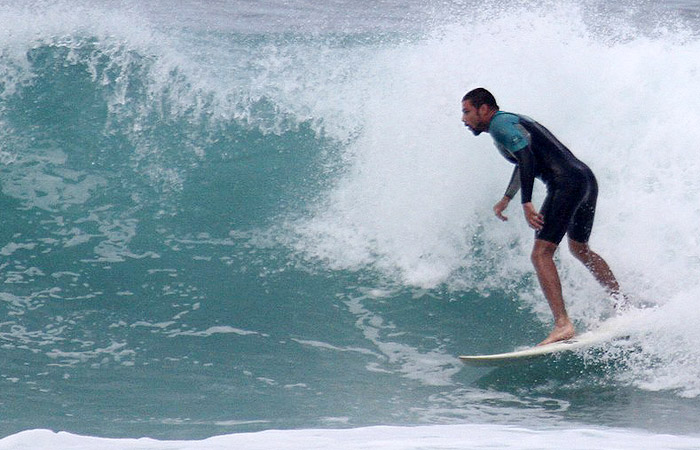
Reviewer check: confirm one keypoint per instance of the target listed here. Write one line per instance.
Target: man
(568, 209)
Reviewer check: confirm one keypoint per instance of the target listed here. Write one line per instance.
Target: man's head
(478, 107)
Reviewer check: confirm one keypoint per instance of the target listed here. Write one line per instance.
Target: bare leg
(543, 260)
(596, 265)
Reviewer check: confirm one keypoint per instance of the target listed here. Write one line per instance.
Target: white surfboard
(607, 332)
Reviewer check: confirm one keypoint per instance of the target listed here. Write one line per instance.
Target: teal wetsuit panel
(504, 130)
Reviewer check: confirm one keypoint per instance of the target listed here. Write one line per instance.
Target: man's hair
(480, 96)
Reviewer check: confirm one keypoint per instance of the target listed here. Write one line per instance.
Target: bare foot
(560, 333)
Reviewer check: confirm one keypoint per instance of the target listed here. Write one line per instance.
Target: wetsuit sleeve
(526, 167)
(513, 142)
(514, 184)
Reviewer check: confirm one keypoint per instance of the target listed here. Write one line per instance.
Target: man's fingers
(536, 221)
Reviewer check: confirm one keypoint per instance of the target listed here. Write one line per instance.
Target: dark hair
(480, 96)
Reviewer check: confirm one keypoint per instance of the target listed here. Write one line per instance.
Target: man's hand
(533, 218)
(500, 207)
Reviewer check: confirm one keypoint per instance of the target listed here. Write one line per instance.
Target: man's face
(473, 118)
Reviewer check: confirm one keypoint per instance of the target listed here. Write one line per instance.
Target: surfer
(568, 208)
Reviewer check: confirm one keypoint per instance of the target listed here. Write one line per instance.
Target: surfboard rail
(599, 336)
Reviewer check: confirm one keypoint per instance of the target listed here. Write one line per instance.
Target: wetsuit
(571, 186)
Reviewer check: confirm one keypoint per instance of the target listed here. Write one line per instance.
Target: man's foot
(560, 333)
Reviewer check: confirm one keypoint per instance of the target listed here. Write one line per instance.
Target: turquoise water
(232, 217)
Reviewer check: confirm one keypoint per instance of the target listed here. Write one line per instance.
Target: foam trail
(380, 438)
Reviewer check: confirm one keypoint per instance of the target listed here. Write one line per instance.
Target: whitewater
(237, 224)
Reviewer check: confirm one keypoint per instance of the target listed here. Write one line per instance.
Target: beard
(477, 130)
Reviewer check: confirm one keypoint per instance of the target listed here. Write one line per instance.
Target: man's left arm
(526, 163)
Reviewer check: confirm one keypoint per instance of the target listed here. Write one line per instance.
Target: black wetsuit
(569, 207)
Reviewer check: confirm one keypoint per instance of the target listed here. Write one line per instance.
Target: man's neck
(490, 115)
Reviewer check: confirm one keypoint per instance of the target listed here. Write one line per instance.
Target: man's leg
(597, 266)
(543, 260)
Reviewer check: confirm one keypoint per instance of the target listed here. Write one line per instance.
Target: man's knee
(580, 250)
(542, 251)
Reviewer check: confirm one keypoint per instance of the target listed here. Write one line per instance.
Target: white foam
(419, 186)
(375, 438)
(431, 368)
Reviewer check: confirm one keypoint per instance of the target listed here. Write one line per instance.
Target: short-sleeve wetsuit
(572, 189)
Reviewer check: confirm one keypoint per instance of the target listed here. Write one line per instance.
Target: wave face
(233, 217)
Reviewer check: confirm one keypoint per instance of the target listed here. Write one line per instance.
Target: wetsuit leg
(560, 207)
(582, 222)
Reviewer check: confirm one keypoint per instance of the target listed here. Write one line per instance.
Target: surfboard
(607, 332)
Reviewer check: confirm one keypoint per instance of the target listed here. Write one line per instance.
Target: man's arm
(514, 183)
(501, 206)
(511, 190)
(533, 218)
(526, 166)
(526, 163)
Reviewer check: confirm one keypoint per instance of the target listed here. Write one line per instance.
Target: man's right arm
(514, 183)
(511, 191)
(501, 206)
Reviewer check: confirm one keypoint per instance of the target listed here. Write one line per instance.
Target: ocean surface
(262, 225)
